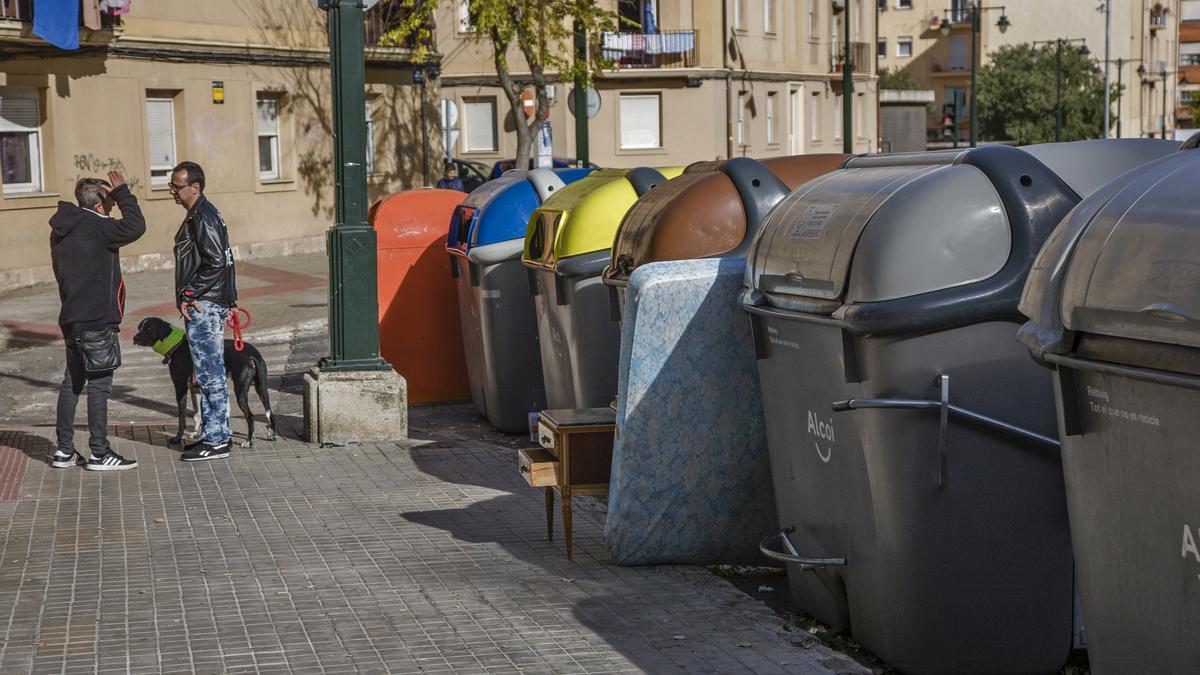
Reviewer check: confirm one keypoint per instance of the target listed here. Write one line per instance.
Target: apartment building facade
(1144, 34)
(1189, 69)
(240, 86)
(711, 78)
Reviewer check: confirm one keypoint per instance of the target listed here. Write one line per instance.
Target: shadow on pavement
(35, 447)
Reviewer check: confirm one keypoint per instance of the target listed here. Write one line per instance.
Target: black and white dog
(244, 368)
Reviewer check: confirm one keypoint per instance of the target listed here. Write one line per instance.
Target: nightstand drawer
(545, 436)
(538, 467)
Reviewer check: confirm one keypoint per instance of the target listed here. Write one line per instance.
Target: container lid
(583, 217)
(907, 228)
(1088, 165)
(1124, 264)
(499, 209)
(705, 212)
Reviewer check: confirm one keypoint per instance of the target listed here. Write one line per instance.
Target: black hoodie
(85, 251)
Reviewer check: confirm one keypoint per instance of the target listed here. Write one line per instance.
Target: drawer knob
(524, 469)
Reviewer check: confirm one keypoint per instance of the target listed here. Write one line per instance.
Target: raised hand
(116, 179)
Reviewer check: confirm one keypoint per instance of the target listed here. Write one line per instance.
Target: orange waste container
(419, 331)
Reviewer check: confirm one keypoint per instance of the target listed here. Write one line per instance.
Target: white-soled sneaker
(205, 452)
(65, 460)
(110, 461)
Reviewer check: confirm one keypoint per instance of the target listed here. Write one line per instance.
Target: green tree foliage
(541, 31)
(1017, 92)
(896, 78)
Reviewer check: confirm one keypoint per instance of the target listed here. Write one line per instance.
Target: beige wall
(783, 61)
(94, 119)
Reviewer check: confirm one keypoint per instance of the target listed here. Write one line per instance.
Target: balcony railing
(665, 49)
(861, 58)
(16, 10)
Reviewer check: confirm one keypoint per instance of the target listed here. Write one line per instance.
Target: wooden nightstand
(575, 459)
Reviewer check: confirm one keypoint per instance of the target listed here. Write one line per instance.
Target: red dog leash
(235, 322)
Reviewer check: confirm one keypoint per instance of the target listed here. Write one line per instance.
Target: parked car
(559, 163)
(473, 174)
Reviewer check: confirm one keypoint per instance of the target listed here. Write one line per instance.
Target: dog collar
(167, 345)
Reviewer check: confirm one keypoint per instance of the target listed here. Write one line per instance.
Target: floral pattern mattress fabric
(691, 477)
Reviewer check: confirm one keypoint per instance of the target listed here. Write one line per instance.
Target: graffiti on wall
(89, 165)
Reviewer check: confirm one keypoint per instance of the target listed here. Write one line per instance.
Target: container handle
(792, 555)
(946, 408)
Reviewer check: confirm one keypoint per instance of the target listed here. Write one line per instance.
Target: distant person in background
(450, 179)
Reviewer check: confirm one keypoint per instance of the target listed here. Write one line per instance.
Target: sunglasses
(175, 187)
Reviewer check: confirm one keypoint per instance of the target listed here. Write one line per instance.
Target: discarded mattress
(691, 478)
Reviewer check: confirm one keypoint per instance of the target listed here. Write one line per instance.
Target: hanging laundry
(57, 22)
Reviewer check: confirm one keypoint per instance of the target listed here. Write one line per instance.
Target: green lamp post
(353, 295)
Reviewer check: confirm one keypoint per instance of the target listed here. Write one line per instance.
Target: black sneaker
(64, 460)
(205, 452)
(110, 461)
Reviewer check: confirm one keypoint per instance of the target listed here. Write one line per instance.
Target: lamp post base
(361, 405)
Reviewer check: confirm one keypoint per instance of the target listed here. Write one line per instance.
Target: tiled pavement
(427, 556)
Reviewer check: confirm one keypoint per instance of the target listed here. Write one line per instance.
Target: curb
(9, 343)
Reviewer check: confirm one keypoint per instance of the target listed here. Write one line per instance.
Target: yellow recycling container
(567, 246)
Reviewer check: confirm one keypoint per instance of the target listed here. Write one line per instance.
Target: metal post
(847, 90)
(353, 296)
(1058, 90)
(1120, 95)
(1107, 40)
(975, 27)
(581, 112)
(424, 136)
(1163, 74)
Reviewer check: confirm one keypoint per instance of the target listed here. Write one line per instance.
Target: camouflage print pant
(206, 337)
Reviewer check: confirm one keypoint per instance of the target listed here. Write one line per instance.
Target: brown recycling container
(712, 210)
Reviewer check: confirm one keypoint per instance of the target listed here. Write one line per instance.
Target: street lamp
(1120, 63)
(1162, 78)
(973, 13)
(1058, 76)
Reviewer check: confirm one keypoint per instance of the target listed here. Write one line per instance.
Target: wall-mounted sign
(218, 92)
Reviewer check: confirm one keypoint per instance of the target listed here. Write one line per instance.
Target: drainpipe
(847, 89)
(728, 79)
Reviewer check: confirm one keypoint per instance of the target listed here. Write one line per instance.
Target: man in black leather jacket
(205, 290)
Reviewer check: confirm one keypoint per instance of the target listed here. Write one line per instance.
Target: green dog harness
(167, 345)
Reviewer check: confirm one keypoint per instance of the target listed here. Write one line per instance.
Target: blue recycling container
(499, 324)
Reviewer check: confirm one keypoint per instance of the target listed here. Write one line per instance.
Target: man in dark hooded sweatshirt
(85, 245)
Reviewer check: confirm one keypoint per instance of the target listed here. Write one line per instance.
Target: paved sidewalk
(427, 556)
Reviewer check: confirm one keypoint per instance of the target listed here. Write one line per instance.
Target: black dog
(244, 368)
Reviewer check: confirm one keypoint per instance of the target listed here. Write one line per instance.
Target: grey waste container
(499, 326)
(1114, 303)
(912, 441)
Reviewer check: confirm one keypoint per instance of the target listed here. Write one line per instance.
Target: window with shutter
(160, 130)
(266, 122)
(480, 120)
(20, 141)
(641, 121)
